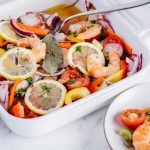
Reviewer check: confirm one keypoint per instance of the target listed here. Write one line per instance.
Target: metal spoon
(107, 10)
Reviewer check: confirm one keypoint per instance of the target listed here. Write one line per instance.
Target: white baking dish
(38, 126)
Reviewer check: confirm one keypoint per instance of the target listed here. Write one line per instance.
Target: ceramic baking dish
(56, 119)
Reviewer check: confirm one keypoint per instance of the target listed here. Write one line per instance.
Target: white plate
(137, 97)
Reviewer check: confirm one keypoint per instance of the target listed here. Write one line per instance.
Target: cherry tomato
(112, 39)
(70, 74)
(78, 82)
(132, 118)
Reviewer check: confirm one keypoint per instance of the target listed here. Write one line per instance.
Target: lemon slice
(78, 53)
(7, 33)
(45, 96)
(17, 63)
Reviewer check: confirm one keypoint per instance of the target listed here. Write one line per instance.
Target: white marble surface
(84, 134)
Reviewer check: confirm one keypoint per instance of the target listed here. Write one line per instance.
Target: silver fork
(107, 10)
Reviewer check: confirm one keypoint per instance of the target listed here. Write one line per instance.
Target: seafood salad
(137, 128)
(43, 69)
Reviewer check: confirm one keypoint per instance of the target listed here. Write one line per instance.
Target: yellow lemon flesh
(7, 33)
(112, 79)
(76, 94)
(2, 52)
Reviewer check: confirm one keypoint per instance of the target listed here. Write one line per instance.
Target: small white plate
(137, 97)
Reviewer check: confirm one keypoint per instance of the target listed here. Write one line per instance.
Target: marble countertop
(84, 134)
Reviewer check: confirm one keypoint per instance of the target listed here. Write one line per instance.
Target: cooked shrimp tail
(38, 47)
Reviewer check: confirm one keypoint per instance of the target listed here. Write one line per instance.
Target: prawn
(38, 47)
(85, 29)
(96, 69)
(141, 137)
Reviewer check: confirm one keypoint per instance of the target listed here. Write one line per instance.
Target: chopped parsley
(30, 80)
(20, 92)
(93, 21)
(71, 81)
(74, 33)
(26, 59)
(148, 113)
(46, 88)
(79, 48)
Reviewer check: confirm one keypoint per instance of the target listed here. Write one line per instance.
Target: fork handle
(111, 9)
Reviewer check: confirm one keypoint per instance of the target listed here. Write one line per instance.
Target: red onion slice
(18, 30)
(53, 22)
(3, 91)
(42, 74)
(134, 67)
(104, 22)
(134, 64)
(130, 64)
(133, 57)
(6, 101)
(113, 46)
(89, 5)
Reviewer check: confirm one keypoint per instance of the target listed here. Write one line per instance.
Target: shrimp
(38, 47)
(96, 69)
(141, 137)
(85, 30)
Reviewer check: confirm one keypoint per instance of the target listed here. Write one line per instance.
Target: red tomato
(31, 114)
(123, 66)
(18, 110)
(70, 74)
(1, 78)
(78, 82)
(94, 89)
(112, 39)
(132, 118)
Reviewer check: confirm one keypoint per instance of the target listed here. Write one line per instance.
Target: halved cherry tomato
(78, 82)
(70, 74)
(123, 66)
(132, 118)
(112, 39)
